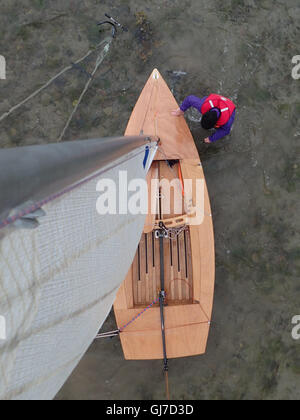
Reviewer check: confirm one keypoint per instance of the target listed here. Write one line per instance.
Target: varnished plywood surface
(152, 116)
(203, 247)
(189, 340)
(186, 332)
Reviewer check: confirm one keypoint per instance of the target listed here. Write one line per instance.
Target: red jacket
(225, 105)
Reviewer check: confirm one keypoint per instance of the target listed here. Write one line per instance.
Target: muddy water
(242, 49)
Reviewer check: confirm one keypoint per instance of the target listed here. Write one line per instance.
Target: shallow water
(242, 49)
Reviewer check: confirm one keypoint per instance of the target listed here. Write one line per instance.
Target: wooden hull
(188, 258)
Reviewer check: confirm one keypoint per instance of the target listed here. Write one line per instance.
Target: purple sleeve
(193, 101)
(224, 130)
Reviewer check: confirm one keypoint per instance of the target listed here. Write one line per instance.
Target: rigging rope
(173, 233)
(6, 114)
(99, 61)
(117, 332)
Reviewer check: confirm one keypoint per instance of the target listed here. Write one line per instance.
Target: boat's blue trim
(146, 156)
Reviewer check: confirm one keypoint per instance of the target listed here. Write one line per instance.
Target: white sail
(60, 268)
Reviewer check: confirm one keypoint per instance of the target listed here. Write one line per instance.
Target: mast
(35, 172)
(61, 262)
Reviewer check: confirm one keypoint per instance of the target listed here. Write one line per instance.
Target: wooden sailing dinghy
(173, 271)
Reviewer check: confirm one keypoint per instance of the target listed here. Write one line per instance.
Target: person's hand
(177, 112)
(207, 140)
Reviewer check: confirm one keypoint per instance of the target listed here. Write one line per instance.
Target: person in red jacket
(217, 112)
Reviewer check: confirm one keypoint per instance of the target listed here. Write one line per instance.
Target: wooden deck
(186, 329)
(177, 267)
